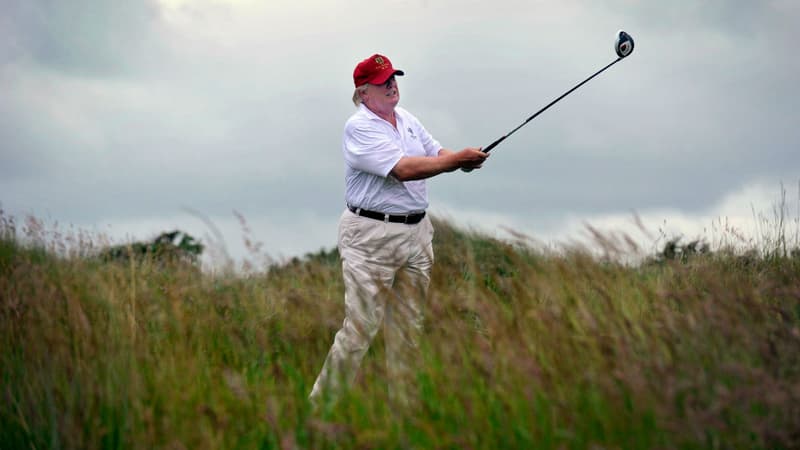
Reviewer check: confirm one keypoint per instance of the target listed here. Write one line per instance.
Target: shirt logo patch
(411, 132)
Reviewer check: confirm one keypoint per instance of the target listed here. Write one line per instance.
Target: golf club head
(623, 44)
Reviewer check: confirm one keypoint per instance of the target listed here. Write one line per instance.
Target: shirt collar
(371, 115)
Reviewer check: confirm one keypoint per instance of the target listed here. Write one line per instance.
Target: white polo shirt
(372, 147)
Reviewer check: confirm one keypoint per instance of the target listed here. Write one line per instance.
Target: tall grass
(522, 349)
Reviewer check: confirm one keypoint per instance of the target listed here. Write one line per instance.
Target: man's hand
(467, 160)
(471, 158)
(420, 167)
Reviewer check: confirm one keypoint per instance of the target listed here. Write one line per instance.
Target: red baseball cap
(374, 70)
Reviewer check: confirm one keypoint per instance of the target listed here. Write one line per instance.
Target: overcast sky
(131, 118)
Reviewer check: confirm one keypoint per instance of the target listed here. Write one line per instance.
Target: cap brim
(380, 79)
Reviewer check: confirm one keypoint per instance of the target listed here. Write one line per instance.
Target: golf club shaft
(497, 142)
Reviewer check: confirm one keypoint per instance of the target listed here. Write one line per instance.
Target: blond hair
(358, 93)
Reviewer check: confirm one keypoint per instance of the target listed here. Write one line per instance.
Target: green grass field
(522, 349)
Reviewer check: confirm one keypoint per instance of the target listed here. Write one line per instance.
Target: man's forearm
(421, 167)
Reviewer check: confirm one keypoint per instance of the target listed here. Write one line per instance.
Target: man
(384, 233)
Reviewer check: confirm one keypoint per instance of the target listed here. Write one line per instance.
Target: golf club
(623, 46)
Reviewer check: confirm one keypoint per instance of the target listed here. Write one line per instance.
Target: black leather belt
(409, 219)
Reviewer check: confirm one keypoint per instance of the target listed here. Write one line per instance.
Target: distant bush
(675, 250)
(169, 247)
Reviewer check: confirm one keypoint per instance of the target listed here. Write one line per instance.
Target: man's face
(383, 97)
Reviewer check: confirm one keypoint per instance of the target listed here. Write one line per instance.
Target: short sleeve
(430, 144)
(369, 149)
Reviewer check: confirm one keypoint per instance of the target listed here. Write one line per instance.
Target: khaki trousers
(386, 268)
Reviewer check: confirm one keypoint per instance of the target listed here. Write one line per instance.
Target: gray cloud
(87, 37)
(119, 111)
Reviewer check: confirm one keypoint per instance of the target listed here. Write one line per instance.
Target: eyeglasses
(389, 83)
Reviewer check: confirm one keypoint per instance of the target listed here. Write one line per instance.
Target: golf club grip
(494, 144)
(487, 149)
